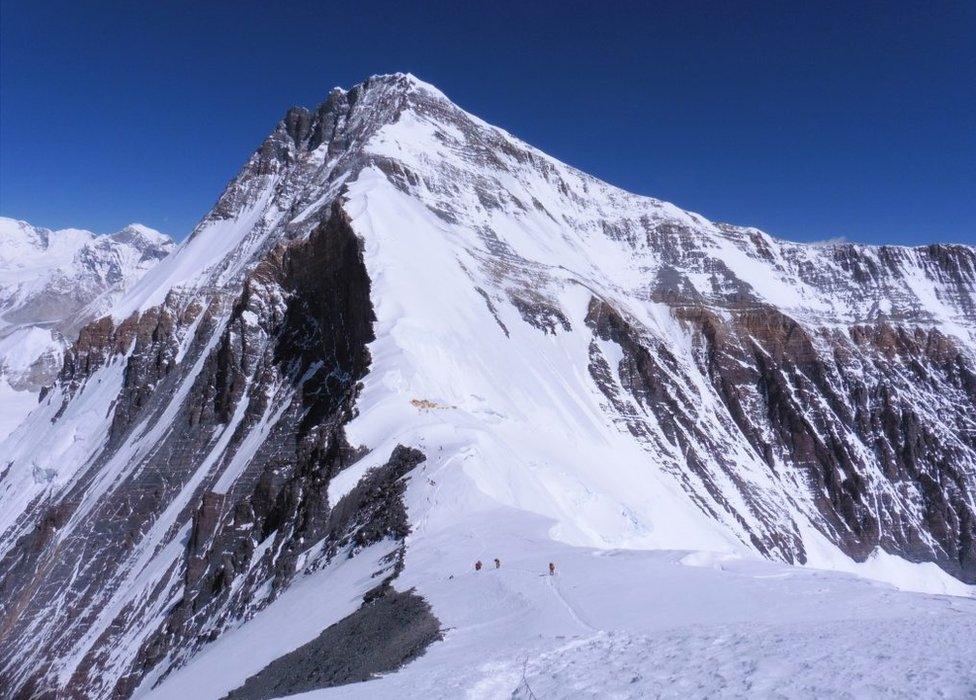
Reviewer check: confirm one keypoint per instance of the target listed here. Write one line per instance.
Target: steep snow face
(401, 320)
(646, 378)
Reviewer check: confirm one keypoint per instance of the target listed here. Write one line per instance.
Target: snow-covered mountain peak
(141, 236)
(285, 186)
(473, 174)
(465, 225)
(398, 319)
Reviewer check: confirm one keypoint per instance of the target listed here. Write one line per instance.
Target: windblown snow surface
(488, 262)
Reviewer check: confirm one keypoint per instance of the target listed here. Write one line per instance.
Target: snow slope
(14, 406)
(631, 623)
(640, 624)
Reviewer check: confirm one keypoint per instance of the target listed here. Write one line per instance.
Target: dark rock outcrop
(381, 636)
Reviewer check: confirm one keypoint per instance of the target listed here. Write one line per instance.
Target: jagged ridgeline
(392, 295)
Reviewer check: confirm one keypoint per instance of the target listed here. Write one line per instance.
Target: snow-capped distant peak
(58, 280)
(145, 232)
(142, 237)
(20, 242)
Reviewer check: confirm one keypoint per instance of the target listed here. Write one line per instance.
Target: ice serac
(397, 316)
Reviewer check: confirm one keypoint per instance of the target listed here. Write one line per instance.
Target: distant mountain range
(52, 283)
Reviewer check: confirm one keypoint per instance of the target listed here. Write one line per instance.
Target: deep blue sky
(853, 119)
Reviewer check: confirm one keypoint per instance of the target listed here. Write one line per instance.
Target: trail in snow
(553, 584)
(632, 623)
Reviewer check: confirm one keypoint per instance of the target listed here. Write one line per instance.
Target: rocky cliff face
(284, 361)
(392, 286)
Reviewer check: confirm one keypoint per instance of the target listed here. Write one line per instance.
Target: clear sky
(809, 120)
